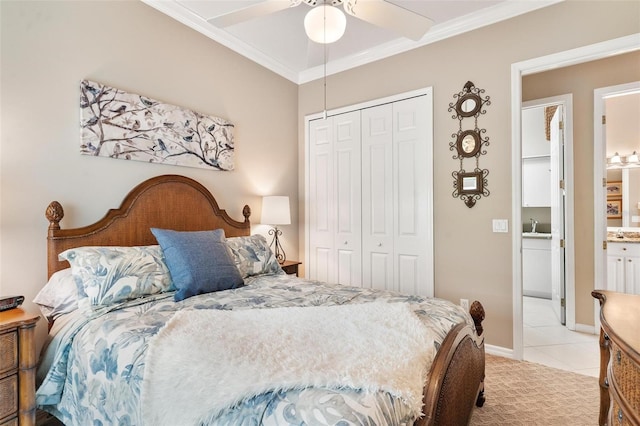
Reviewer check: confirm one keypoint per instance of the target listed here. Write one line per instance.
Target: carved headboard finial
(54, 214)
(246, 212)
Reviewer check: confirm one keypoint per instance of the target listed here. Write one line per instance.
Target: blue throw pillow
(198, 261)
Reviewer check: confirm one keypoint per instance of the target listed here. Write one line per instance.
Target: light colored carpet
(525, 393)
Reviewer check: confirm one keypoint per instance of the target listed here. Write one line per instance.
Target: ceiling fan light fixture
(321, 31)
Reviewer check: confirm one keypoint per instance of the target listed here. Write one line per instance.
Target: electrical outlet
(465, 304)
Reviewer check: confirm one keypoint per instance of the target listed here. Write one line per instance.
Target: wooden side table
(290, 266)
(17, 368)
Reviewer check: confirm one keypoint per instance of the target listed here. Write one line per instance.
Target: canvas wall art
(127, 126)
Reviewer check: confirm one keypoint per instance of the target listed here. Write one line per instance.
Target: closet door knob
(379, 244)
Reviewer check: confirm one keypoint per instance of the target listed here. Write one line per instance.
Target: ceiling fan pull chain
(325, 64)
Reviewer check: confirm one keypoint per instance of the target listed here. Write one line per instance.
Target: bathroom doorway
(546, 126)
(519, 71)
(547, 133)
(617, 134)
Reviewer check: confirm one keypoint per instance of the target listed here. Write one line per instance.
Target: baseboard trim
(583, 328)
(498, 351)
(508, 353)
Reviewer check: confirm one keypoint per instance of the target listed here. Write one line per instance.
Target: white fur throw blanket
(202, 362)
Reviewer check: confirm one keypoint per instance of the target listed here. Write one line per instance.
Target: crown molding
(485, 17)
(190, 19)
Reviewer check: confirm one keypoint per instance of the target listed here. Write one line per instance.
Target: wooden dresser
(17, 368)
(619, 358)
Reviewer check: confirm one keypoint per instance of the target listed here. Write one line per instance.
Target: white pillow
(59, 296)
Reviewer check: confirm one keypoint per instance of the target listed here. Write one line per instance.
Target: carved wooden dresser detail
(619, 358)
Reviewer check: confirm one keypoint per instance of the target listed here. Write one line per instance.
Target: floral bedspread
(92, 369)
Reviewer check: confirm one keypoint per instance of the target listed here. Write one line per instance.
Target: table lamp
(276, 211)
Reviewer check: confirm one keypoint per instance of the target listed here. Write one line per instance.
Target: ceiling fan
(377, 12)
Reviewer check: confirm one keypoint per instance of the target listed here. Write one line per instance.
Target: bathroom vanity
(536, 264)
(623, 262)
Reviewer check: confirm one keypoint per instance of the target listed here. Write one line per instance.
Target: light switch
(635, 219)
(500, 225)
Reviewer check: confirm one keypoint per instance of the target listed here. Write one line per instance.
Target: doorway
(601, 150)
(566, 58)
(547, 129)
(547, 150)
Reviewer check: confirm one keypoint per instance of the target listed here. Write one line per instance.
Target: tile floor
(548, 342)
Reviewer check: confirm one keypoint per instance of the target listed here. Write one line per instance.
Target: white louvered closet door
(334, 193)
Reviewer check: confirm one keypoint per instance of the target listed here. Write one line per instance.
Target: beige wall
(49, 47)
(471, 261)
(623, 125)
(592, 75)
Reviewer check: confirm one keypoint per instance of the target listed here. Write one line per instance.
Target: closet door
(410, 197)
(377, 198)
(335, 234)
(322, 206)
(370, 195)
(347, 171)
(395, 194)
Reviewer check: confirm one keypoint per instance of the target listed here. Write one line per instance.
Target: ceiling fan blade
(390, 16)
(250, 12)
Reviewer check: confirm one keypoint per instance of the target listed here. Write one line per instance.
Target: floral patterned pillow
(59, 296)
(253, 256)
(109, 275)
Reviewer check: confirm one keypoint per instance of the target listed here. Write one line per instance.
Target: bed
(273, 349)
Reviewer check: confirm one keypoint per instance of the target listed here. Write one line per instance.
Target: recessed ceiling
(278, 41)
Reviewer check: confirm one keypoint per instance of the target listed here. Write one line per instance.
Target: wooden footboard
(456, 378)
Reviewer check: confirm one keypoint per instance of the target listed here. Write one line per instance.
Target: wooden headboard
(168, 201)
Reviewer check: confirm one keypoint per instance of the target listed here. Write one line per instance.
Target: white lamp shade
(275, 210)
(325, 32)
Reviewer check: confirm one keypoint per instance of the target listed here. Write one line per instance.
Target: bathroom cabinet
(536, 181)
(536, 266)
(623, 267)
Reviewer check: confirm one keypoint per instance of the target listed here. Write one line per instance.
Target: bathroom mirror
(627, 200)
(468, 143)
(468, 105)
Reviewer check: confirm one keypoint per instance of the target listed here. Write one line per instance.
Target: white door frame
(599, 177)
(566, 101)
(561, 59)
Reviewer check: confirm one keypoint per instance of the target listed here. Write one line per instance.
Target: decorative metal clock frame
(470, 186)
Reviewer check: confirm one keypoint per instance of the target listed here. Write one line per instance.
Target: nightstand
(290, 266)
(17, 368)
